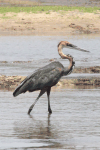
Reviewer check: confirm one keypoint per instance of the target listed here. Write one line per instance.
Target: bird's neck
(63, 56)
(68, 69)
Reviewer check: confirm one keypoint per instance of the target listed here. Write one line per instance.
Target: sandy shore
(50, 23)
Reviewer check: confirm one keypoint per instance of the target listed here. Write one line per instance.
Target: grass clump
(36, 9)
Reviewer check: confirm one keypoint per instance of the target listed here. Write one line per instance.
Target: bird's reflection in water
(37, 128)
(42, 129)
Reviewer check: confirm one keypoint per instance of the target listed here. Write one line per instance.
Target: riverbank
(50, 22)
(11, 82)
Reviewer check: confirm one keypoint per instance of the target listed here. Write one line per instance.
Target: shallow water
(21, 55)
(74, 123)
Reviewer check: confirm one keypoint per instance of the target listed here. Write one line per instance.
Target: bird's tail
(16, 92)
(20, 89)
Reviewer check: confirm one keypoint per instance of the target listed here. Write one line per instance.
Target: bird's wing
(47, 79)
(43, 77)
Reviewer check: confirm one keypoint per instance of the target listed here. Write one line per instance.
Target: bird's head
(63, 44)
(66, 44)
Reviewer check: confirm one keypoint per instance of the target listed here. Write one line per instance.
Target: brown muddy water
(74, 123)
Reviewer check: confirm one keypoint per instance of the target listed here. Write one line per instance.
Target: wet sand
(11, 82)
(50, 23)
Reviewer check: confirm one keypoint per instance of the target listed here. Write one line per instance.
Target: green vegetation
(36, 9)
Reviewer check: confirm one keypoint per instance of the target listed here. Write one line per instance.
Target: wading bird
(46, 77)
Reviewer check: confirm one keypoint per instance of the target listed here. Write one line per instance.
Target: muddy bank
(95, 69)
(11, 82)
(50, 23)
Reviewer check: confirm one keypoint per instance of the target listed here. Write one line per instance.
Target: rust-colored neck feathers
(61, 45)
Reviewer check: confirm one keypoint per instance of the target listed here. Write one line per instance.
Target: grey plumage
(46, 77)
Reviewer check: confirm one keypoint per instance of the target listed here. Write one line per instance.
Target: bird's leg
(31, 107)
(48, 95)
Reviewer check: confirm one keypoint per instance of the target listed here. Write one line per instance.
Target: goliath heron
(46, 77)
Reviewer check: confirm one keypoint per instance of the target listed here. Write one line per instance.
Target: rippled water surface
(74, 123)
(22, 55)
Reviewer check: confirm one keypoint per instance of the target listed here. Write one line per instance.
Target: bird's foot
(50, 111)
(29, 111)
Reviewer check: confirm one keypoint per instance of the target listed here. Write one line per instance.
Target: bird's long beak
(76, 48)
